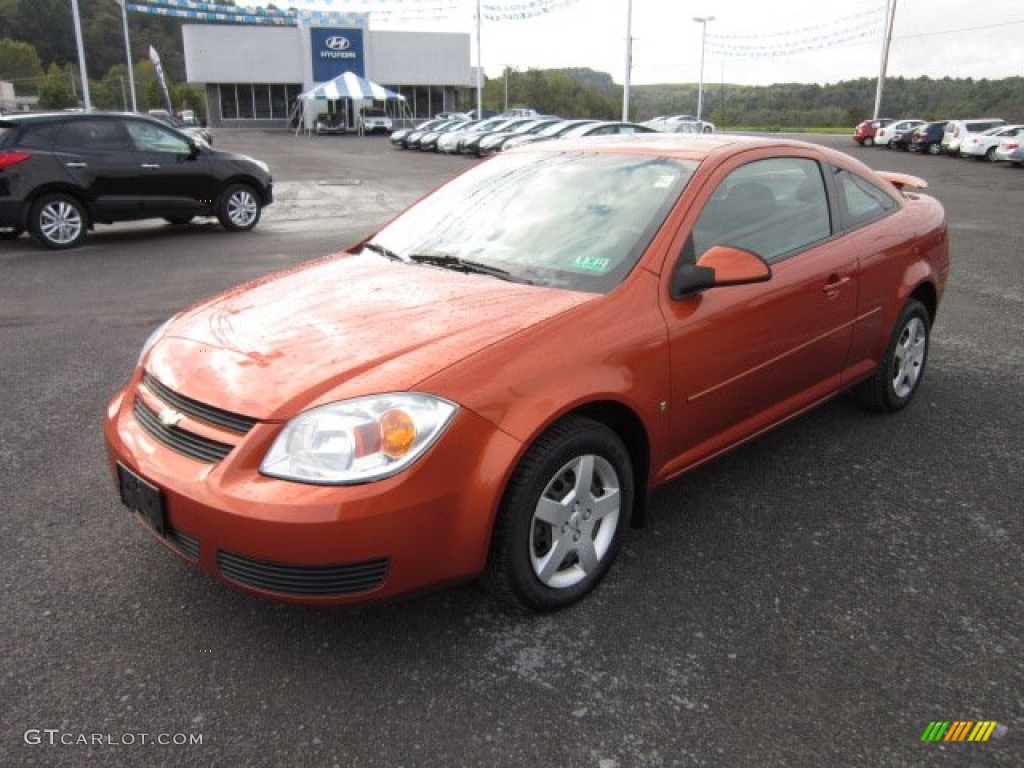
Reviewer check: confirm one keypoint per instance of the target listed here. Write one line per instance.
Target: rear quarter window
(40, 136)
(861, 201)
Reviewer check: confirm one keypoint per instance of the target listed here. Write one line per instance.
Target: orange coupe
(490, 385)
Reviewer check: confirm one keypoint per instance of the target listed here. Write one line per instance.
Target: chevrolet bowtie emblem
(170, 417)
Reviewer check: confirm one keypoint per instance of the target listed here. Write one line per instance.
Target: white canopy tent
(347, 85)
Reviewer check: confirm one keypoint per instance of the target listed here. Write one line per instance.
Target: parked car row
(988, 138)
(491, 135)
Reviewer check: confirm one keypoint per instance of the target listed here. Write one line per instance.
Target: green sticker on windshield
(592, 264)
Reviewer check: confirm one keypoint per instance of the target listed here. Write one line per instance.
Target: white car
(680, 124)
(982, 146)
(885, 134)
(957, 131)
(374, 120)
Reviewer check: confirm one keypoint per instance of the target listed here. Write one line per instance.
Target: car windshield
(574, 220)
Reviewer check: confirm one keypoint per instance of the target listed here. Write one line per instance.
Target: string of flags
(866, 24)
(355, 11)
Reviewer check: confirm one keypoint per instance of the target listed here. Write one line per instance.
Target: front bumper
(427, 526)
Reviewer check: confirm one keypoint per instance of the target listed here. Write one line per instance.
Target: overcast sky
(842, 38)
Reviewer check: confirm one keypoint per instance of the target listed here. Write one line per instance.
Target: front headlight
(154, 337)
(357, 441)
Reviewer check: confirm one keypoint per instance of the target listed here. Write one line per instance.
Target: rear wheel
(58, 221)
(239, 208)
(563, 517)
(934, 148)
(869, 142)
(893, 384)
(990, 155)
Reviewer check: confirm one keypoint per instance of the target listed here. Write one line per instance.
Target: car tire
(990, 155)
(562, 518)
(177, 220)
(934, 149)
(58, 221)
(898, 376)
(10, 233)
(869, 142)
(238, 208)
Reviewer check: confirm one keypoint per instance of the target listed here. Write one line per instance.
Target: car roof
(688, 146)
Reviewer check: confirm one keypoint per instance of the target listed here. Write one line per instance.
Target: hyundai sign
(336, 51)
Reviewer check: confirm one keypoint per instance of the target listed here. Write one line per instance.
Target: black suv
(62, 173)
(928, 138)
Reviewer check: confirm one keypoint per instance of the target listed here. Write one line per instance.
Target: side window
(154, 138)
(860, 201)
(770, 207)
(40, 136)
(97, 135)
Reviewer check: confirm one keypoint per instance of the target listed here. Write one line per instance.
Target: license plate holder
(143, 498)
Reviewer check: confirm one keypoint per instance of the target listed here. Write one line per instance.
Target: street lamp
(703, 21)
(128, 53)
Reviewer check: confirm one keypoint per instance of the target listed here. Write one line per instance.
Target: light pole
(81, 57)
(703, 21)
(890, 13)
(128, 54)
(629, 61)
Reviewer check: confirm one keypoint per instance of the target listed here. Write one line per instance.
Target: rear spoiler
(903, 180)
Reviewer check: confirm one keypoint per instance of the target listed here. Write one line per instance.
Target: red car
(864, 133)
(492, 383)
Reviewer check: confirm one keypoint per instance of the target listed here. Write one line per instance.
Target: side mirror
(720, 265)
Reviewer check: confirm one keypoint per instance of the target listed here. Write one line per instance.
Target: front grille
(206, 413)
(189, 444)
(187, 545)
(324, 580)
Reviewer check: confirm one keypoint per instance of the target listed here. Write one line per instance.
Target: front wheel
(869, 142)
(58, 221)
(934, 148)
(239, 208)
(896, 379)
(563, 517)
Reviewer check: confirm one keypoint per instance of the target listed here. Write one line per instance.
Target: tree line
(38, 54)
(586, 93)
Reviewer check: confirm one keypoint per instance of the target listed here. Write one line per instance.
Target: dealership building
(253, 74)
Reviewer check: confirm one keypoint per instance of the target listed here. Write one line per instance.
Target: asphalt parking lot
(815, 598)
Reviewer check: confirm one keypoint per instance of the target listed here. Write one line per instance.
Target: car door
(97, 156)
(744, 357)
(172, 179)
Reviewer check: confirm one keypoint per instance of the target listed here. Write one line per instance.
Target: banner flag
(159, 69)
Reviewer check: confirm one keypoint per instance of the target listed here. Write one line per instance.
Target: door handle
(835, 282)
(150, 165)
(77, 165)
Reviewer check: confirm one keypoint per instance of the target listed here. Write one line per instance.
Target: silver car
(1011, 150)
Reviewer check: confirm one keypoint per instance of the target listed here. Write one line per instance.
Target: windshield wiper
(448, 261)
(385, 252)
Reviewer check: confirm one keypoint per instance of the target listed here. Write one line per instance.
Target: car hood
(341, 327)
